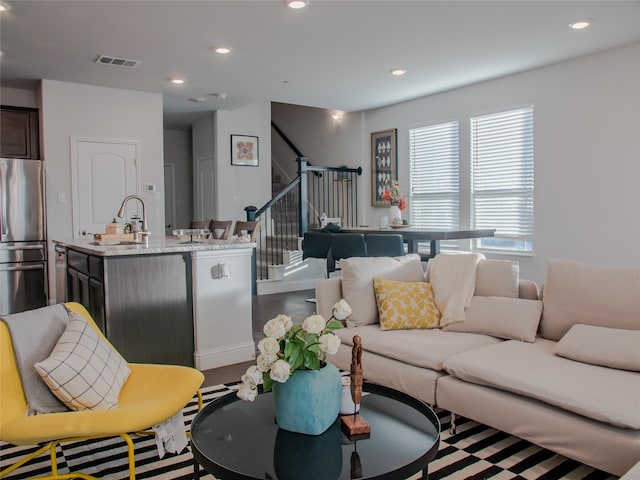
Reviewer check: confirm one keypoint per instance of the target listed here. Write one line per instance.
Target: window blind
(434, 171)
(502, 178)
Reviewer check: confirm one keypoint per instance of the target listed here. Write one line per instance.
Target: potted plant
(307, 389)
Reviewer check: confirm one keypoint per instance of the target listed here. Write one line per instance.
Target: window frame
(525, 192)
(448, 196)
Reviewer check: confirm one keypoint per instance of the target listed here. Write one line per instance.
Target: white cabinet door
(104, 172)
(222, 307)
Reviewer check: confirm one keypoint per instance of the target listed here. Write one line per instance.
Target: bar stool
(252, 228)
(202, 224)
(220, 229)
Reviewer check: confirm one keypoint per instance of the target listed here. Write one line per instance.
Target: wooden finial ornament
(356, 370)
(355, 424)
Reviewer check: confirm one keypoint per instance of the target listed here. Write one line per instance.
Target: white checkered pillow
(83, 371)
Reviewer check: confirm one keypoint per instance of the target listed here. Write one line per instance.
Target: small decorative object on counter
(192, 235)
(134, 223)
(114, 228)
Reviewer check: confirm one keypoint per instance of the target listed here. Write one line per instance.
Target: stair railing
(297, 208)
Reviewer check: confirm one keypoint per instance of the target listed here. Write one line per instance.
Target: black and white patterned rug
(475, 452)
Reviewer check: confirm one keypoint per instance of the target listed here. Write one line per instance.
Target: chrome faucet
(144, 232)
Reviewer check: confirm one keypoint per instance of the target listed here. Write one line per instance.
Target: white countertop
(156, 245)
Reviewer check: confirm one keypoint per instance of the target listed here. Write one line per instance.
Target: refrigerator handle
(39, 246)
(3, 208)
(20, 268)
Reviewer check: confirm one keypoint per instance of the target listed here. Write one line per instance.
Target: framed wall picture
(244, 150)
(384, 163)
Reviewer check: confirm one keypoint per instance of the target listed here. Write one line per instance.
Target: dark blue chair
(345, 245)
(385, 245)
(316, 244)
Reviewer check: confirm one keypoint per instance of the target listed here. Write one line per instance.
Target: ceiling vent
(119, 62)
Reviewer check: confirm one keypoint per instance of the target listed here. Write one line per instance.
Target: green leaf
(310, 340)
(289, 349)
(294, 353)
(334, 325)
(298, 363)
(267, 383)
(311, 360)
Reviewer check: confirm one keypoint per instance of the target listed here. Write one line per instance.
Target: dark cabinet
(85, 284)
(96, 302)
(142, 303)
(19, 133)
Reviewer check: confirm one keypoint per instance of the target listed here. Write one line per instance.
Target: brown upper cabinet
(19, 132)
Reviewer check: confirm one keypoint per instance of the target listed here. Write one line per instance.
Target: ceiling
(331, 54)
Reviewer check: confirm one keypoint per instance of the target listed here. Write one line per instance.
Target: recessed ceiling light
(580, 24)
(177, 81)
(397, 72)
(222, 50)
(296, 4)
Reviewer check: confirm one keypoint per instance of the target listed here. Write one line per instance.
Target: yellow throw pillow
(405, 305)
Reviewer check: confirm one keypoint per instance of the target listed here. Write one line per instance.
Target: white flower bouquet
(288, 347)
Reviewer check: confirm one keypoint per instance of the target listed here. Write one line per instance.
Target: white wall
(177, 152)
(587, 152)
(240, 186)
(323, 141)
(73, 109)
(203, 135)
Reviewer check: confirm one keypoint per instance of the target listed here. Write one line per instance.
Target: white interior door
(104, 172)
(205, 201)
(169, 198)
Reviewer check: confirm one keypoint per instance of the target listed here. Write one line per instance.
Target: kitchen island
(168, 301)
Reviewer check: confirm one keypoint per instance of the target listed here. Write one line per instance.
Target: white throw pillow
(497, 278)
(357, 282)
(83, 370)
(608, 347)
(502, 317)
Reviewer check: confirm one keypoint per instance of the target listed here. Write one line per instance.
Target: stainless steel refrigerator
(23, 246)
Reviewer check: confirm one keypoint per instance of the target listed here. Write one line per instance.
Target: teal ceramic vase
(309, 401)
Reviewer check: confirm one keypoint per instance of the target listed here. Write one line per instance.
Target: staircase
(293, 210)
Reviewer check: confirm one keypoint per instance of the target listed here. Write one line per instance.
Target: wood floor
(265, 307)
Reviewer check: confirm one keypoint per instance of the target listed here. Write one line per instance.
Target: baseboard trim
(220, 357)
(266, 287)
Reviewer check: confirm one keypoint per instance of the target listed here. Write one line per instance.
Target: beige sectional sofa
(515, 362)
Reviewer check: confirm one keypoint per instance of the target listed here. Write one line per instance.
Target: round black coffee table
(234, 439)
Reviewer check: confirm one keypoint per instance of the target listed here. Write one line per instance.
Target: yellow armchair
(151, 394)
